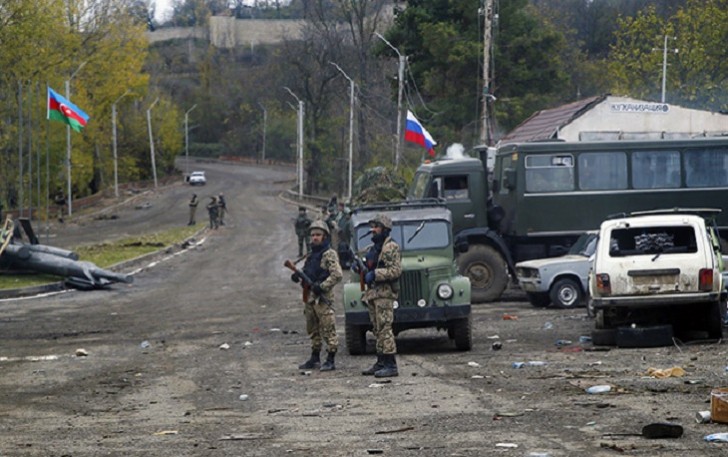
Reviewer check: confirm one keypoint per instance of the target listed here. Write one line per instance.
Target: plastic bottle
(599, 389)
(518, 364)
(717, 437)
(535, 363)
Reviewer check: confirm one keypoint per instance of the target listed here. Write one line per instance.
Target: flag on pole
(60, 109)
(416, 133)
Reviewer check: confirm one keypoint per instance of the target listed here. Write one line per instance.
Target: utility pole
(300, 142)
(151, 140)
(664, 66)
(69, 196)
(485, 131)
(351, 125)
(265, 122)
(401, 113)
(187, 140)
(113, 138)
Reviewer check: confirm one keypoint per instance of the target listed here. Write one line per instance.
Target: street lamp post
(351, 125)
(68, 141)
(300, 142)
(400, 111)
(187, 140)
(151, 140)
(113, 137)
(265, 122)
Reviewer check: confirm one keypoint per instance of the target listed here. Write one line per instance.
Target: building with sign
(609, 118)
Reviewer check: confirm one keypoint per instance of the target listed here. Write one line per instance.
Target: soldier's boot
(329, 363)
(378, 365)
(311, 363)
(390, 367)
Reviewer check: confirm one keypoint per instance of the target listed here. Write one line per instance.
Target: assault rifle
(361, 266)
(306, 282)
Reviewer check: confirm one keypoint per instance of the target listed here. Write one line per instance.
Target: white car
(197, 178)
(562, 280)
(659, 269)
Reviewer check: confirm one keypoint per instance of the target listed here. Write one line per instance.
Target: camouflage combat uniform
(324, 269)
(381, 295)
(301, 225)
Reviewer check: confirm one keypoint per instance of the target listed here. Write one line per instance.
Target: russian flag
(416, 133)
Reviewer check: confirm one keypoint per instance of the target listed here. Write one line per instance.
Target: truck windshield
(431, 235)
(418, 189)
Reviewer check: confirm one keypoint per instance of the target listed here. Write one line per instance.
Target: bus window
(655, 169)
(455, 187)
(549, 173)
(603, 170)
(706, 167)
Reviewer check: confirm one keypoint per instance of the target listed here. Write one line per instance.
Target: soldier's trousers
(301, 241)
(381, 314)
(193, 210)
(321, 326)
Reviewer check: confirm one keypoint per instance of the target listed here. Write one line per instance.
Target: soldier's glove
(369, 278)
(295, 277)
(355, 268)
(316, 288)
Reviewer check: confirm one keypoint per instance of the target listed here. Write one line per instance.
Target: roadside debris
(656, 430)
(224, 346)
(717, 437)
(473, 364)
(145, 344)
(702, 417)
(674, 372)
(600, 389)
(532, 363)
(719, 405)
(166, 432)
(80, 352)
(510, 317)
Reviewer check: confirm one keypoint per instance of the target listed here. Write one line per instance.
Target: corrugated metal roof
(545, 124)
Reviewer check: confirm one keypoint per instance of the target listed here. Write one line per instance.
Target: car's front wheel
(566, 294)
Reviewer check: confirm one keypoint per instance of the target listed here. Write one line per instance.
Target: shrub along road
(198, 357)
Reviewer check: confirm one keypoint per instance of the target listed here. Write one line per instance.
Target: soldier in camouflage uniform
(301, 225)
(383, 271)
(322, 267)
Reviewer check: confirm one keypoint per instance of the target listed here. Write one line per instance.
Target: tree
(443, 44)
(697, 74)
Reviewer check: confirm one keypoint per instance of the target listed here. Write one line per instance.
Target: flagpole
(69, 196)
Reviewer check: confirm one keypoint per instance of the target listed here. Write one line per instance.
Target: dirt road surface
(157, 381)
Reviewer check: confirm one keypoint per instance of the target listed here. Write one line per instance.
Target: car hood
(552, 262)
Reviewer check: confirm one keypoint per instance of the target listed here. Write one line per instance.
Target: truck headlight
(444, 291)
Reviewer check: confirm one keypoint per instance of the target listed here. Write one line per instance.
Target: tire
(539, 300)
(356, 339)
(566, 294)
(644, 337)
(462, 330)
(590, 311)
(604, 336)
(715, 319)
(487, 271)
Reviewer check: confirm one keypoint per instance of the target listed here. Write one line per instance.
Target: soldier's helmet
(383, 220)
(319, 224)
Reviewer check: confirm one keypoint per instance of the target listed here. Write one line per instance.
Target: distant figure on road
(221, 208)
(60, 200)
(212, 211)
(323, 269)
(193, 209)
(301, 225)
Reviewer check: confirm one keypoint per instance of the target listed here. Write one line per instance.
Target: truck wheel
(462, 330)
(566, 294)
(356, 339)
(539, 300)
(487, 271)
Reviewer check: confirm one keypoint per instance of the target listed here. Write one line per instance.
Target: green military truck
(537, 198)
(432, 294)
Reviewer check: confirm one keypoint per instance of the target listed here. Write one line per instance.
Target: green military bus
(544, 195)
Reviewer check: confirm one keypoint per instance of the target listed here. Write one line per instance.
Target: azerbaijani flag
(416, 133)
(60, 109)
